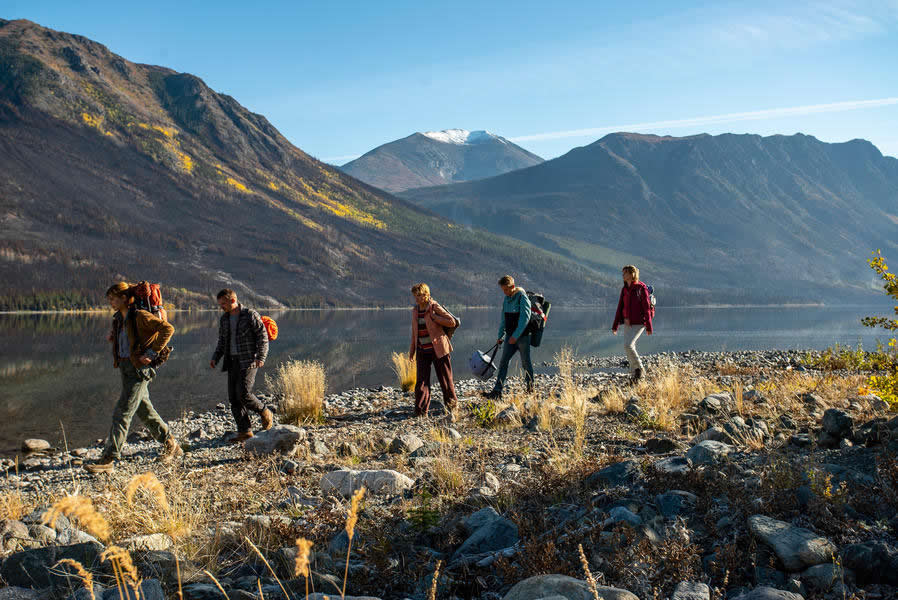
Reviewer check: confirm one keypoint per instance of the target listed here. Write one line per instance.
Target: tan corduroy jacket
(152, 333)
(435, 318)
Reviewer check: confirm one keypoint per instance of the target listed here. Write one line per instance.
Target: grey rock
(688, 590)
(147, 543)
(476, 520)
(347, 449)
(383, 481)
(621, 514)
(801, 440)
(38, 516)
(675, 502)
(708, 452)
(796, 547)
(788, 422)
(452, 433)
(407, 442)
(495, 534)
(837, 423)
(200, 591)
(620, 473)
(33, 568)
(716, 434)
(717, 403)
(768, 593)
(71, 536)
(279, 439)
(673, 465)
(150, 589)
(35, 445)
(317, 447)
(42, 534)
(289, 467)
(875, 402)
(847, 475)
(872, 562)
(510, 417)
(10, 528)
(662, 446)
(21, 593)
(543, 586)
(870, 433)
(821, 578)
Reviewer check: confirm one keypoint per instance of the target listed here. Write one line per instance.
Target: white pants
(631, 334)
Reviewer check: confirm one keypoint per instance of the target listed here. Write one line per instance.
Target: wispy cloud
(756, 115)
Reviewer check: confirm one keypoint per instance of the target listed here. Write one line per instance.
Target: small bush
(405, 369)
(485, 413)
(300, 386)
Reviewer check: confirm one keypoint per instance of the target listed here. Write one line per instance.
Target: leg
(508, 351)
(245, 390)
(524, 348)
(631, 334)
(147, 413)
(444, 376)
(133, 389)
(241, 418)
(422, 383)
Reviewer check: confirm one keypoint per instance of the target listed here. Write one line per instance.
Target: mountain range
(437, 158)
(730, 217)
(116, 170)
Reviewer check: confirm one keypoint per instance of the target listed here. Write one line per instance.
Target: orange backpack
(271, 327)
(148, 297)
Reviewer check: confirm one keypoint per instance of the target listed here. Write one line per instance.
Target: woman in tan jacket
(139, 341)
(431, 345)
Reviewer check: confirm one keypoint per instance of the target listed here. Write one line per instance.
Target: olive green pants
(134, 400)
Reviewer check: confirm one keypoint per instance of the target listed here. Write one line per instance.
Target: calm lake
(56, 370)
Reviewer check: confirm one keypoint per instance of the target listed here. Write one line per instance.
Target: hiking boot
(105, 464)
(241, 436)
(493, 395)
(171, 450)
(637, 376)
(267, 419)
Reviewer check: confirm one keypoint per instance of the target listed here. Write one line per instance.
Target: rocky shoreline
(767, 480)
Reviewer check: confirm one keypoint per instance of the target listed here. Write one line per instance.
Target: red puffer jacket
(633, 305)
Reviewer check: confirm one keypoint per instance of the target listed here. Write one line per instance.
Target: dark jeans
(508, 351)
(134, 400)
(240, 394)
(443, 367)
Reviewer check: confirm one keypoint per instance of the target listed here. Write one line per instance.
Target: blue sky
(341, 78)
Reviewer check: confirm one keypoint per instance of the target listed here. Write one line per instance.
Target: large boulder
(495, 534)
(405, 443)
(280, 438)
(708, 452)
(872, 562)
(796, 547)
(620, 473)
(382, 481)
(547, 586)
(837, 423)
(764, 592)
(33, 568)
(688, 590)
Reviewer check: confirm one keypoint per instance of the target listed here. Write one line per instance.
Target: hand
(109, 336)
(258, 363)
(411, 356)
(512, 340)
(211, 364)
(648, 333)
(614, 332)
(144, 360)
(499, 341)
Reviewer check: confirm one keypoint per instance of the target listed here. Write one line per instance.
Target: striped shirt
(424, 341)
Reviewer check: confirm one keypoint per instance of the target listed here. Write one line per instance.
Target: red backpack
(148, 297)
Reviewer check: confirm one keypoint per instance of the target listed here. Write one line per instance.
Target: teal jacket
(519, 303)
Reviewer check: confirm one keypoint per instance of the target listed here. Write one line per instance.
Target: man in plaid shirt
(243, 342)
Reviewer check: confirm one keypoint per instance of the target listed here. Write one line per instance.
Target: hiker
(633, 310)
(243, 342)
(513, 323)
(432, 346)
(139, 340)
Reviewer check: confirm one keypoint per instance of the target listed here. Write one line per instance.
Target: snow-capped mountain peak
(461, 136)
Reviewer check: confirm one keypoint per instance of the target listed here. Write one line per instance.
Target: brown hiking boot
(240, 436)
(105, 464)
(267, 419)
(171, 450)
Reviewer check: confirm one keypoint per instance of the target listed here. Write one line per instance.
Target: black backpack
(539, 316)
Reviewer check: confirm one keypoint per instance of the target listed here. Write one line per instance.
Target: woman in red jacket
(430, 345)
(634, 311)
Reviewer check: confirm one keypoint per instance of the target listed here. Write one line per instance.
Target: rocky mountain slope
(437, 158)
(738, 217)
(113, 169)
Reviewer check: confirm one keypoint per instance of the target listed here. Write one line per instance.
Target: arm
(619, 315)
(502, 322)
(222, 343)
(261, 335)
(524, 315)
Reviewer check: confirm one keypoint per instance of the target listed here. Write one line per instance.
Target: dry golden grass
(405, 369)
(145, 507)
(12, 505)
(670, 391)
(301, 564)
(82, 509)
(300, 384)
(574, 398)
(123, 568)
(86, 577)
(432, 593)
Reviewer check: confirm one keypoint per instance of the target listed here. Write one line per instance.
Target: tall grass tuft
(82, 509)
(405, 369)
(83, 573)
(573, 397)
(300, 384)
(351, 519)
(123, 568)
(301, 564)
(149, 482)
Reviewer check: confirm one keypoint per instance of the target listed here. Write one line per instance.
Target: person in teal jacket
(512, 326)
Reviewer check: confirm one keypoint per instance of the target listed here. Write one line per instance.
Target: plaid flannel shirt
(252, 338)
